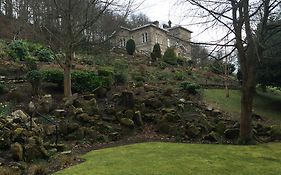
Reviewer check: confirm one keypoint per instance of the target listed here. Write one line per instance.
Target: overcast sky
(164, 10)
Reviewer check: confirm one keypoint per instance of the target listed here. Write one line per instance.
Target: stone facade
(148, 35)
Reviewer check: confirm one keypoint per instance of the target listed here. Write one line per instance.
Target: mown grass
(181, 159)
(267, 105)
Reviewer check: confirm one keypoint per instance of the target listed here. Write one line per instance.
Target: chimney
(170, 23)
(156, 23)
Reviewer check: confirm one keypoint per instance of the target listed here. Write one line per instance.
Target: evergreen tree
(130, 46)
(157, 50)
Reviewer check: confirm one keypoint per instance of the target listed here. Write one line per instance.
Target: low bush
(35, 78)
(120, 71)
(82, 81)
(44, 55)
(33, 47)
(105, 71)
(31, 63)
(3, 49)
(2, 88)
(181, 60)
(179, 75)
(170, 56)
(18, 50)
(53, 76)
(153, 56)
(121, 77)
(191, 88)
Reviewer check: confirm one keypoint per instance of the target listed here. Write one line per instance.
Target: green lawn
(267, 105)
(181, 159)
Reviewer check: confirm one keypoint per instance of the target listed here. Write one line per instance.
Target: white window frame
(169, 44)
(144, 37)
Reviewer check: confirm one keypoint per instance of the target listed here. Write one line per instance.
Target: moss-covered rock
(193, 131)
(276, 132)
(231, 133)
(220, 127)
(127, 122)
(17, 151)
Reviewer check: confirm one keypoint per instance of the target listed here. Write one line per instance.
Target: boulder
(17, 151)
(84, 117)
(70, 100)
(153, 103)
(193, 131)
(127, 99)
(138, 118)
(129, 114)
(46, 104)
(231, 133)
(19, 114)
(91, 107)
(171, 117)
(212, 137)
(127, 122)
(220, 127)
(163, 127)
(150, 117)
(275, 132)
(50, 129)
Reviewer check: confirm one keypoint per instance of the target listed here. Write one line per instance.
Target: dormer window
(144, 37)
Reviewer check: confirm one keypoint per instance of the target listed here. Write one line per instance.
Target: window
(144, 37)
(169, 43)
(122, 42)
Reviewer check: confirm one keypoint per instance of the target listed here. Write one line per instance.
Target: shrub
(157, 50)
(83, 81)
(31, 63)
(53, 76)
(179, 75)
(33, 47)
(3, 49)
(153, 56)
(138, 77)
(120, 71)
(121, 77)
(130, 46)
(219, 67)
(2, 88)
(35, 78)
(181, 60)
(18, 50)
(170, 56)
(44, 55)
(191, 88)
(105, 71)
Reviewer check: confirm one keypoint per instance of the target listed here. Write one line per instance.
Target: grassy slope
(180, 159)
(265, 104)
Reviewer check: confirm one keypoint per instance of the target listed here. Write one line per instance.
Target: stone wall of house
(121, 35)
(175, 37)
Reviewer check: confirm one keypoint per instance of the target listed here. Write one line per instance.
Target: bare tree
(241, 18)
(71, 21)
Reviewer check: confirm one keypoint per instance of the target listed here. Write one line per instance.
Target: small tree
(130, 46)
(170, 56)
(157, 50)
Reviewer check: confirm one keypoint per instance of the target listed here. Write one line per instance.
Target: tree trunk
(9, 8)
(67, 73)
(248, 86)
(246, 114)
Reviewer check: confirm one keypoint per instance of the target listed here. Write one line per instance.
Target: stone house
(148, 35)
